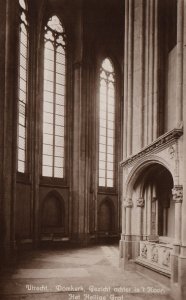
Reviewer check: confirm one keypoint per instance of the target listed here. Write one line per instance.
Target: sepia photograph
(92, 149)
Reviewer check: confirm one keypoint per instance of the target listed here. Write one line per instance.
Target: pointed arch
(106, 214)
(52, 212)
(54, 99)
(107, 112)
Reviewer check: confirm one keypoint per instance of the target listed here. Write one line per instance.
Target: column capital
(154, 199)
(127, 202)
(140, 202)
(177, 193)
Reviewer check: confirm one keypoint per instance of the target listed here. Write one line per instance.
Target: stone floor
(79, 274)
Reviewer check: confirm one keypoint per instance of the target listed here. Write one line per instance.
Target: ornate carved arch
(139, 168)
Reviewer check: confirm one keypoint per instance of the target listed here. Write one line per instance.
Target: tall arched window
(22, 88)
(54, 95)
(107, 125)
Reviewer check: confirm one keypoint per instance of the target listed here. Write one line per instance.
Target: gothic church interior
(92, 116)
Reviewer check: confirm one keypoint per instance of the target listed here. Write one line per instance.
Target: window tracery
(54, 96)
(23, 87)
(107, 125)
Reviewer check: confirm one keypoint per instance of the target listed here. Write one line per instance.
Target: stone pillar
(155, 75)
(182, 50)
(10, 20)
(81, 152)
(128, 205)
(2, 99)
(164, 221)
(184, 134)
(178, 285)
(36, 96)
(177, 193)
(122, 241)
(123, 219)
(79, 206)
(125, 114)
(146, 75)
(140, 205)
(125, 242)
(179, 71)
(149, 210)
(128, 78)
(156, 216)
(151, 105)
(141, 77)
(151, 71)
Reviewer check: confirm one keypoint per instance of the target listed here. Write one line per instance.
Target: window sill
(50, 181)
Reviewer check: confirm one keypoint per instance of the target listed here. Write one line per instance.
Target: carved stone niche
(177, 193)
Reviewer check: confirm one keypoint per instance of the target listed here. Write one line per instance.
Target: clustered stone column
(128, 206)
(177, 193)
(140, 205)
(154, 209)
(126, 231)
(179, 71)
(152, 73)
(141, 68)
(128, 84)
(123, 221)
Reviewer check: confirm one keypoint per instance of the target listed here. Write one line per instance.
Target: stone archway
(154, 191)
(149, 216)
(141, 168)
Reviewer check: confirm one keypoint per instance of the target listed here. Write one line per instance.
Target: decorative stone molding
(128, 202)
(154, 254)
(159, 144)
(157, 256)
(144, 251)
(166, 258)
(140, 202)
(171, 151)
(177, 193)
(153, 238)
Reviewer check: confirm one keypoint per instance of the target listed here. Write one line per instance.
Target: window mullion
(54, 107)
(107, 125)
(22, 103)
(55, 85)
(106, 129)
(114, 135)
(26, 104)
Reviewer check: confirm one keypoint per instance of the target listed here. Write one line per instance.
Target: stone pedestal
(178, 284)
(124, 249)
